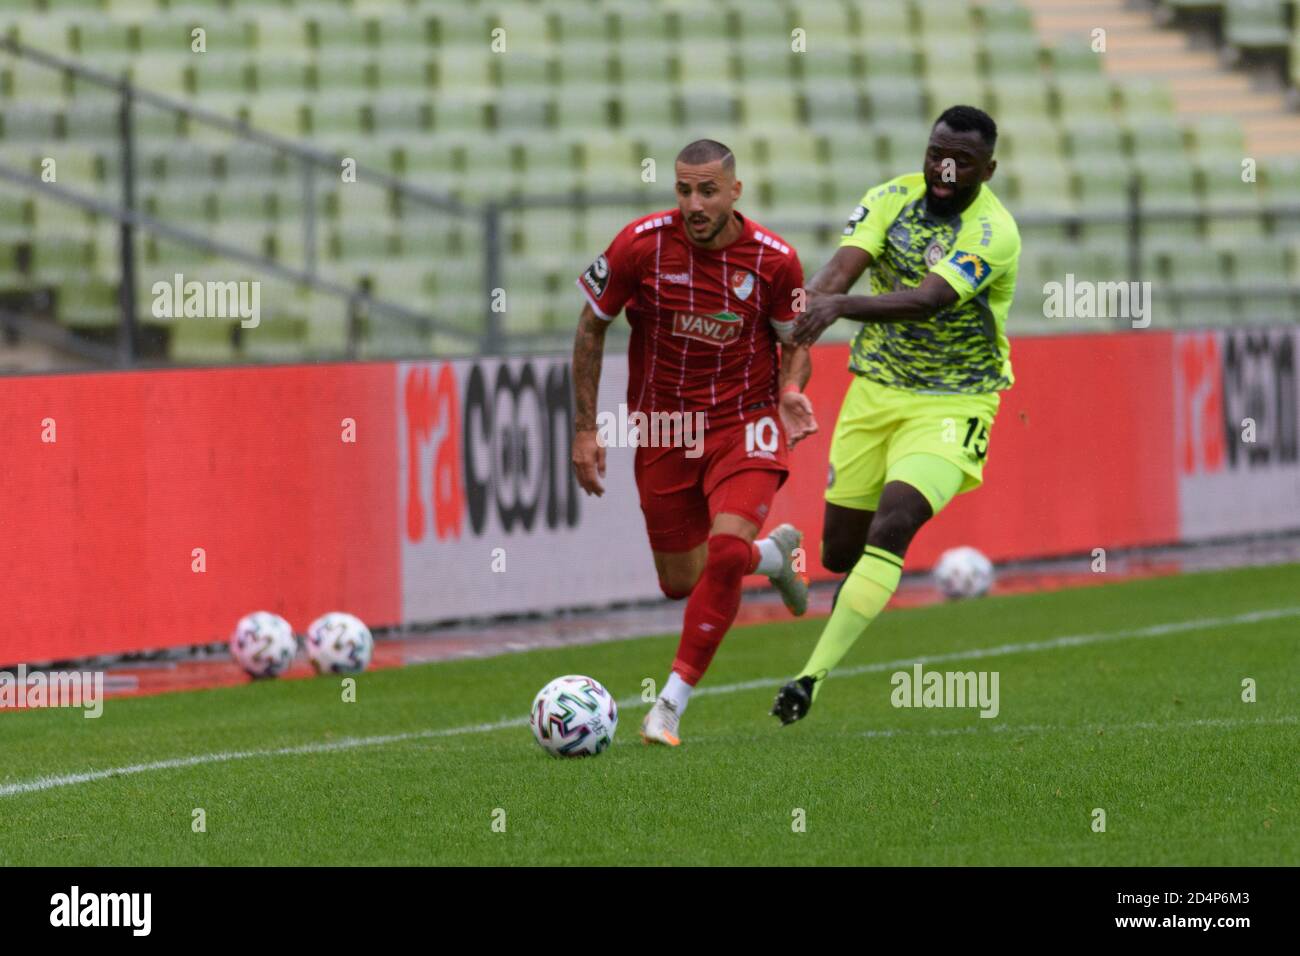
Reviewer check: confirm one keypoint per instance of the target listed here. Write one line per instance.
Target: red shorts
(681, 495)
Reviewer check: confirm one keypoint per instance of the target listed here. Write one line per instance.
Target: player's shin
(712, 606)
(862, 596)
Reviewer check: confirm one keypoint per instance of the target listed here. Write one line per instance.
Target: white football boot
(790, 584)
(660, 725)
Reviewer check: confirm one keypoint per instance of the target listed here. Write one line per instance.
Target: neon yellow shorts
(879, 427)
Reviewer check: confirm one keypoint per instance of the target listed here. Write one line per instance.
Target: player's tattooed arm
(929, 298)
(588, 354)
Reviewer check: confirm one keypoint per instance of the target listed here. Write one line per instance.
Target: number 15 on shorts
(977, 443)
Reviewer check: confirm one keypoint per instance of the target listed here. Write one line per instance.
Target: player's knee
(839, 556)
(729, 557)
(893, 530)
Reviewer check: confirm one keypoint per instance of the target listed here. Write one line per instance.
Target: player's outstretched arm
(931, 297)
(844, 269)
(834, 278)
(588, 353)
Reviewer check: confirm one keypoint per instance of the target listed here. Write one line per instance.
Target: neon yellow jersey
(963, 349)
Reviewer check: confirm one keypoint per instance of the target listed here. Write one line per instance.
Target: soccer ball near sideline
(263, 644)
(574, 716)
(963, 573)
(339, 643)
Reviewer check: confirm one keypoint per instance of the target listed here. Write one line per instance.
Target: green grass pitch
(1142, 717)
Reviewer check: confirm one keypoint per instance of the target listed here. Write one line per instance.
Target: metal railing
(486, 219)
(311, 162)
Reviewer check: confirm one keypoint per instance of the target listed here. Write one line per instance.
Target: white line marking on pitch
(55, 781)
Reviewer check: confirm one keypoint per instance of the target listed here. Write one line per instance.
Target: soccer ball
(263, 644)
(963, 572)
(339, 643)
(574, 716)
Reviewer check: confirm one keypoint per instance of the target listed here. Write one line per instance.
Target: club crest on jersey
(933, 253)
(718, 329)
(742, 284)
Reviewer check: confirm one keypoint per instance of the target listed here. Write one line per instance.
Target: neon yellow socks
(865, 593)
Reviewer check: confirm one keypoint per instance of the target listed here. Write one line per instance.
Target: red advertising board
(112, 481)
(152, 509)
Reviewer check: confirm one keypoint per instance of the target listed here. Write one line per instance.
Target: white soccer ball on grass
(263, 644)
(339, 643)
(574, 716)
(963, 572)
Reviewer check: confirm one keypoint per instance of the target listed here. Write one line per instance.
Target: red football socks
(713, 604)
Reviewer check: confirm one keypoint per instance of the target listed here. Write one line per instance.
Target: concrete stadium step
(1242, 105)
(1138, 46)
(1273, 135)
(1210, 84)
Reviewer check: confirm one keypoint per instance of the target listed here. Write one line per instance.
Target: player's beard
(947, 205)
(713, 234)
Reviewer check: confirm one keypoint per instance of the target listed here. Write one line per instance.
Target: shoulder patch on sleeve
(771, 241)
(597, 276)
(652, 222)
(971, 266)
(859, 213)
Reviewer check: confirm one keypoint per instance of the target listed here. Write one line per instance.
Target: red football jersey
(705, 322)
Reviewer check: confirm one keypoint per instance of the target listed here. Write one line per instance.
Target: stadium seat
(1280, 178)
(647, 66)
(1196, 289)
(904, 147)
(838, 65)
(952, 67)
(402, 71)
(579, 97)
(941, 19)
(1012, 56)
(828, 23)
(1017, 101)
(88, 304)
(895, 102)
(832, 106)
(891, 20)
(463, 29)
(580, 27)
(202, 341)
(278, 337)
(889, 57)
(404, 34)
(776, 110)
(346, 33)
(460, 114)
(1006, 18)
(637, 25)
(1256, 24)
